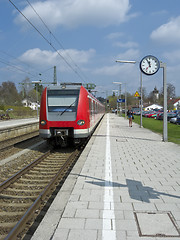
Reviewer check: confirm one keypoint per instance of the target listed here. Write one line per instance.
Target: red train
(68, 114)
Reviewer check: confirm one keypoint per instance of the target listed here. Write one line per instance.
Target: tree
(170, 91)
(9, 94)
(26, 87)
(144, 93)
(112, 102)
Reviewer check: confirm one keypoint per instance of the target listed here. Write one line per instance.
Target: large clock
(149, 65)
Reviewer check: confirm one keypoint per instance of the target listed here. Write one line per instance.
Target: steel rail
(17, 175)
(19, 227)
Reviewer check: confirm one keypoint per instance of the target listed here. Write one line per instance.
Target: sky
(84, 38)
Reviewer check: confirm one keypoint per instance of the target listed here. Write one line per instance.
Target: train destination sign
(120, 100)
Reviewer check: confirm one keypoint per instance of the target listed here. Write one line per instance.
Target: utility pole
(55, 76)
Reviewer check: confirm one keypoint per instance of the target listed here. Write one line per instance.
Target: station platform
(16, 122)
(17, 127)
(124, 186)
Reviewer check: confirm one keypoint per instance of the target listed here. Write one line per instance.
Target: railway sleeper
(11, 217)
(14, 209)
(33, 181)
(11, 190)
(24, 197)
(43, 171)
(37, 178)
(30, 185)
(5, 227)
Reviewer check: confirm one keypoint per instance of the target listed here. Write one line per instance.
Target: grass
(157, 126)
(18, 112)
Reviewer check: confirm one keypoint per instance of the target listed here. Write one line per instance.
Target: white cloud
(128, 44)
(172, 56)
(130, 54)
(38, 57)
(168, 33)
(160, 13)
(122, 69)
(73, 13)
(107, 70)
(114, 35)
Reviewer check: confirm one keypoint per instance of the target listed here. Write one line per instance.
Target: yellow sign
(136, 94)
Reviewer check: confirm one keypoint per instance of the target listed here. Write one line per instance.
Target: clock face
(149, 65)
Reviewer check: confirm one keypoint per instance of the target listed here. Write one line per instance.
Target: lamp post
(119, 83)
(133, 62)
(116, 91)
(165, 131)
(37, 82)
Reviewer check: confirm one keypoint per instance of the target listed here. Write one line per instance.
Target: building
(175, 103)
(155, 95)
(32, 105)
(153, 106)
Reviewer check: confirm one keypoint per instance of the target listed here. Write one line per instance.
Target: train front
(63, 115)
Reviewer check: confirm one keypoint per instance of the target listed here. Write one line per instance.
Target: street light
(119, 83)
(125, 61)
(37, 82)
(162, 65)
(116, 91)
(133, 62)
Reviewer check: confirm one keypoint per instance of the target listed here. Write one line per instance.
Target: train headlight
(80, 122)
(43, 122)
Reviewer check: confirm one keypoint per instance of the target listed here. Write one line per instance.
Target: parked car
(137, 112)
(154, 115)
(169, 116)
(147, 113)
(178, 119)
(159, 116)
(173, 120)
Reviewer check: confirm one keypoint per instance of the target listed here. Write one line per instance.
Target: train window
(60, 101)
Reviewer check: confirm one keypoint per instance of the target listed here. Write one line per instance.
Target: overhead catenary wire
(21, 62)
(15, 67)
(75, 71)
(51, 34)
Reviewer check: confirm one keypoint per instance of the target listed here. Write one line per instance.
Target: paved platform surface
(125, 185)
(16, 122)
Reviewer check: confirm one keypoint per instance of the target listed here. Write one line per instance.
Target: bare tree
(170, 91)
(9, 94)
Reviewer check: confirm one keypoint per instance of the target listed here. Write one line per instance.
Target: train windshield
(62, 100)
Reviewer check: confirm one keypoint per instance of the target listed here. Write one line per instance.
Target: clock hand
(149, 63)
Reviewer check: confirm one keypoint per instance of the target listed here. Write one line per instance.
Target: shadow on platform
(135, 188)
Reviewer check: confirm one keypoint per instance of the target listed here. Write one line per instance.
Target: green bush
(20, 112)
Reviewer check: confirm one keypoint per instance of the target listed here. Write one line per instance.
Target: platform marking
(110, 231)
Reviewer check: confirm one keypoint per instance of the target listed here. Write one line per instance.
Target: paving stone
(71, 223)
(143, 177)
(98, 224)
(82, 235)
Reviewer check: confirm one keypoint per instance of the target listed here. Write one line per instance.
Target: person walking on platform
(130, 116)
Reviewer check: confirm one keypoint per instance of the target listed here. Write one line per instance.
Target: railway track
(8, 143)
(24, 194)
(16, 144)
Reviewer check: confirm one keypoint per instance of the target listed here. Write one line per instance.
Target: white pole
(141, 101)
(165, 132)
